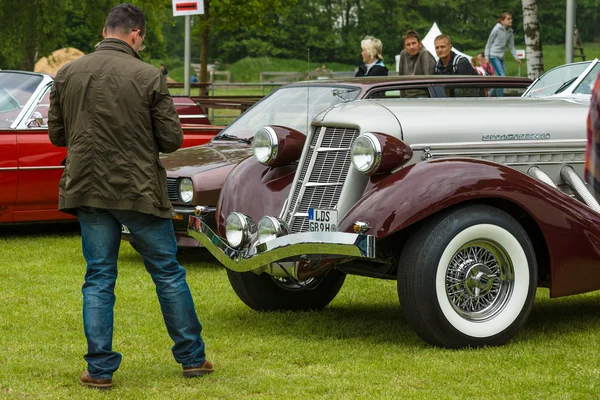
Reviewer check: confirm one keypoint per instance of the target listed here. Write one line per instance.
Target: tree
(29, 29)
(533, 39)
(231, 15)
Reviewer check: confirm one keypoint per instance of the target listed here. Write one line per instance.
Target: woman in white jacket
(501, 37)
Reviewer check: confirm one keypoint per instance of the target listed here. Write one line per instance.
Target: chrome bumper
(284, 247)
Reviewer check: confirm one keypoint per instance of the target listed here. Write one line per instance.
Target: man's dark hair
(410, 34)
(126, 18)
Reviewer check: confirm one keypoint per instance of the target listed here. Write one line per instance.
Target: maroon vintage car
(469, 204)
(30, 166)
(195, 176)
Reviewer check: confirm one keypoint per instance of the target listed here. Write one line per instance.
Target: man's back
(117, 116)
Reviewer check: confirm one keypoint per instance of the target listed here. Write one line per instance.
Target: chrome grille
(328, 159)
(172, 189)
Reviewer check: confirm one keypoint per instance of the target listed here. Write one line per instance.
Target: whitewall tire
(467, 277)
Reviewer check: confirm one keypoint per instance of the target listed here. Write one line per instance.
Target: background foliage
(331, 29)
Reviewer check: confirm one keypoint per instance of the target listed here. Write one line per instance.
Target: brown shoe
(101, 384)
(191, 372)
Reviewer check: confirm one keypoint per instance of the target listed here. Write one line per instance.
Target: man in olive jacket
(114, 114)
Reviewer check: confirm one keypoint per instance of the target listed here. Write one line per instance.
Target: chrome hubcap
(479, 280)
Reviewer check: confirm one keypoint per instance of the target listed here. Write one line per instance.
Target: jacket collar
(117, 45)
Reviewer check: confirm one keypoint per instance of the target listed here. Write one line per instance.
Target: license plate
(322, 220)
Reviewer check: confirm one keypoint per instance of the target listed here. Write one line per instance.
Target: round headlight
(270, 228)
(366, 153)
(186, 190)
(239, 230)
(265, 145)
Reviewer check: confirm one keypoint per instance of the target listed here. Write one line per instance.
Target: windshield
(551, 81)
(587, 84)
(287, 106)
(15, 91)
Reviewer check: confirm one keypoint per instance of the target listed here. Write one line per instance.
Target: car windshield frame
(586, 85)
(555, 81)
(16, 91)
(288, 106)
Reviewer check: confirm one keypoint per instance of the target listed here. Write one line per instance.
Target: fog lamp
(270, 228)
(240, 230)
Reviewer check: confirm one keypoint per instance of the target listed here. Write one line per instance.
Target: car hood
(213, 155)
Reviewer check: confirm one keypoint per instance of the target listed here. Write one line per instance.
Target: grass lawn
(359, 347)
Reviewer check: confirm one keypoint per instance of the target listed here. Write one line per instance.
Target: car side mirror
(36, 120)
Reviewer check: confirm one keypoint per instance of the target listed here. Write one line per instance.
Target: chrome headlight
(240, 230)
(366, 153)
(270, 228)
(186, 190)
(265, 145)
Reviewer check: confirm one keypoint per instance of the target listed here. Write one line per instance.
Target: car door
(40, 167)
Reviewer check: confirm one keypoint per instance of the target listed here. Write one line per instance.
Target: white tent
(427, 41)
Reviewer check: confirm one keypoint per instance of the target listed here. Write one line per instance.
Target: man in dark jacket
(449, 62)
(114, 114)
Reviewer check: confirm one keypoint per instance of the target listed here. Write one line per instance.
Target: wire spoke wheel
(479, 280)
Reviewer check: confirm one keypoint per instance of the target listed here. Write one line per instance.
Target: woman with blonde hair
(372, 58)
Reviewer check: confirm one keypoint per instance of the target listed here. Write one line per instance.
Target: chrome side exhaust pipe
(540, 175)
(570, 177)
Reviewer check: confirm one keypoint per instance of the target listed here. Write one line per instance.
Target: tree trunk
(30, 44)
(533, 39)
(204, 30)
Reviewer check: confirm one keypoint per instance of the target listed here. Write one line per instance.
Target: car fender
(570, 228)
(255, 190)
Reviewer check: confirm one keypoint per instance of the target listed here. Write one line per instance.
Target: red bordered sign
(187, 7)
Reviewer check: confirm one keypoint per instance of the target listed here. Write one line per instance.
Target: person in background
(415, 59)
(194, 78)
(372, 58)
(487, 66)
(500, 38)
(450, 63)
(476, 63)
(163, 70)
(114, 114)
(592, 155)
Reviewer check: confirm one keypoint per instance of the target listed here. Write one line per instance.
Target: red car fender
(570, 229)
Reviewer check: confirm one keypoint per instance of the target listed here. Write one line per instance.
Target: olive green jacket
(114, 114)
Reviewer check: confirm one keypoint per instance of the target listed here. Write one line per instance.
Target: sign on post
(520, 54)
(187, 7)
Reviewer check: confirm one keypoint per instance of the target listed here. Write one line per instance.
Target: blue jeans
(155, 240)
(500, 69)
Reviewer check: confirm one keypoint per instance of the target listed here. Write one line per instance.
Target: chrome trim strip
(541, 144)
(47, 167)
(325, 149)
(9, 169)
(190, 211)
(317, 184)
(44, 86)
(284, 247)
(192, 116)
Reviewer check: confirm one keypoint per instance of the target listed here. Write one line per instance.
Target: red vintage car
(30, 166)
